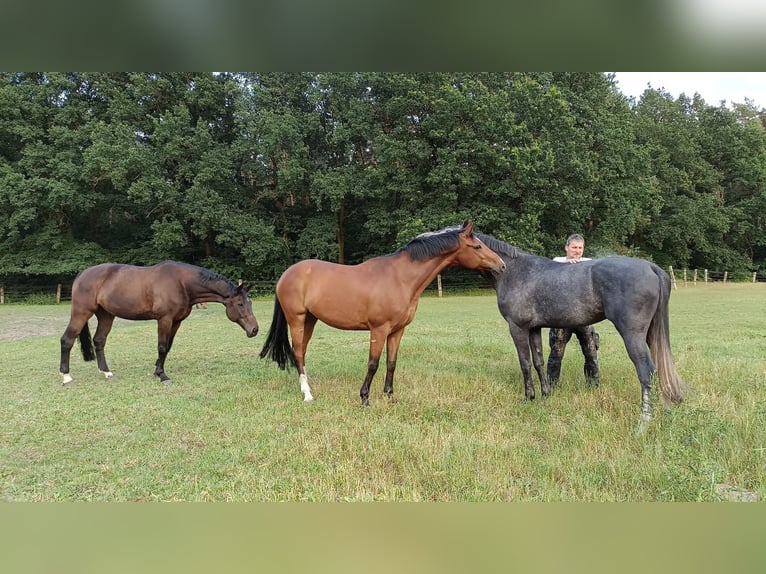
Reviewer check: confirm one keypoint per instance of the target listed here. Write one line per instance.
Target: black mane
(432, 244)
(208, 276)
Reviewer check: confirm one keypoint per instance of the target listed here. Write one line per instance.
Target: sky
(712, 86)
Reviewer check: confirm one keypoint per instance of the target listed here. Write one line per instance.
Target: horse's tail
(277, 345)
(86, 344)
(672, 386)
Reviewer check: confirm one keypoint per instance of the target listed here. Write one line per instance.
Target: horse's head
(474, 254)
(239, 309)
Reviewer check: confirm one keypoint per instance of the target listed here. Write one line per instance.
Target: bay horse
(165, 292)
(633, 294)
(379, 295)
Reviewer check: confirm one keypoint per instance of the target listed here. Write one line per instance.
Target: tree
(44, 198)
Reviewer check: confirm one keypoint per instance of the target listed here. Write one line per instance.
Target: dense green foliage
(246, 173)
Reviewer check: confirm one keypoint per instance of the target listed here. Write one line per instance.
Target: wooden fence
(706, 276)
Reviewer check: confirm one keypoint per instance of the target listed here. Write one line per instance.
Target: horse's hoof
(643, 424)
(308, 399)
(69, 384)
(166, 382)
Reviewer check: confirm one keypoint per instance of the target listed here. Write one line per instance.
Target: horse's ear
(467, 227)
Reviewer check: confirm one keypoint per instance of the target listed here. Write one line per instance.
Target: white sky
(712, 86)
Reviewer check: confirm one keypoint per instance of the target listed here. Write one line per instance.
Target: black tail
(277, 345)
(86, 344)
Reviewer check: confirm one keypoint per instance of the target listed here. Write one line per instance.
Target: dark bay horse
(633, 294)
(165, 292)
(379, 295)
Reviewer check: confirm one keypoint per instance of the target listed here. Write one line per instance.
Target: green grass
(233, 427)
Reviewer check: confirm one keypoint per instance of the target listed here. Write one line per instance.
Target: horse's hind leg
(105, 322)
(74, 328)
(301, 330)
(639, 354)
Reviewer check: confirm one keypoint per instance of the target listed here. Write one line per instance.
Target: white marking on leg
(67, 378)
(107, 374)
(305, 388)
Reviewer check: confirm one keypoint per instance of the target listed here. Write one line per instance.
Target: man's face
(575, 249)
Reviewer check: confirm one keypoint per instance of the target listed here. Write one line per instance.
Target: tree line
(246, 173)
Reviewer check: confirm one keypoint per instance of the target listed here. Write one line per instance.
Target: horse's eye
(477, 246)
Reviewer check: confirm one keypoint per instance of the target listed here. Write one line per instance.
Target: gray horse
(633, 294)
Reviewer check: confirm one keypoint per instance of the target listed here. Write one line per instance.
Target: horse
(633, 294)
(379, 295)
(165, 292)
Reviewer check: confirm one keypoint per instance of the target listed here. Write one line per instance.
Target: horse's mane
(208, 276)
(432, 243)
(498, 246)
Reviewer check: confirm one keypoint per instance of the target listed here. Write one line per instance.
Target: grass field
(233, 427)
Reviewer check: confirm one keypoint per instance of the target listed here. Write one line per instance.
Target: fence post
(2, 295)
(754, 276)
(439, 284)
(58, 293)
(705, 275)
(695, 276)
(684, 277)
(673, 277)
(725, 275)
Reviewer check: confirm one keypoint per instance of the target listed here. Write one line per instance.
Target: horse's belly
(346, 320)
(119, 305)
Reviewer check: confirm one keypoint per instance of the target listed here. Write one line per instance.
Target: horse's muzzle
(252, 332)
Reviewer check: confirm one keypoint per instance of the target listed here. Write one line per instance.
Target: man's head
(575, 246)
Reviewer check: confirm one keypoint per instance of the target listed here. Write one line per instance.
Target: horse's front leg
(521, 341)
(377, 339)
(536, 346)
(392, 349)
(166, 332)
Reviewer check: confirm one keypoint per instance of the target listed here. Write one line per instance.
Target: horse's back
(316, 275)
(313, 279)
(625, 273)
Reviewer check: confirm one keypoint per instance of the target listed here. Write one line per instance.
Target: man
(558, 338)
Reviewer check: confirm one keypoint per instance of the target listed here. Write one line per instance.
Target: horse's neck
(419, 274)
(207, 292)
